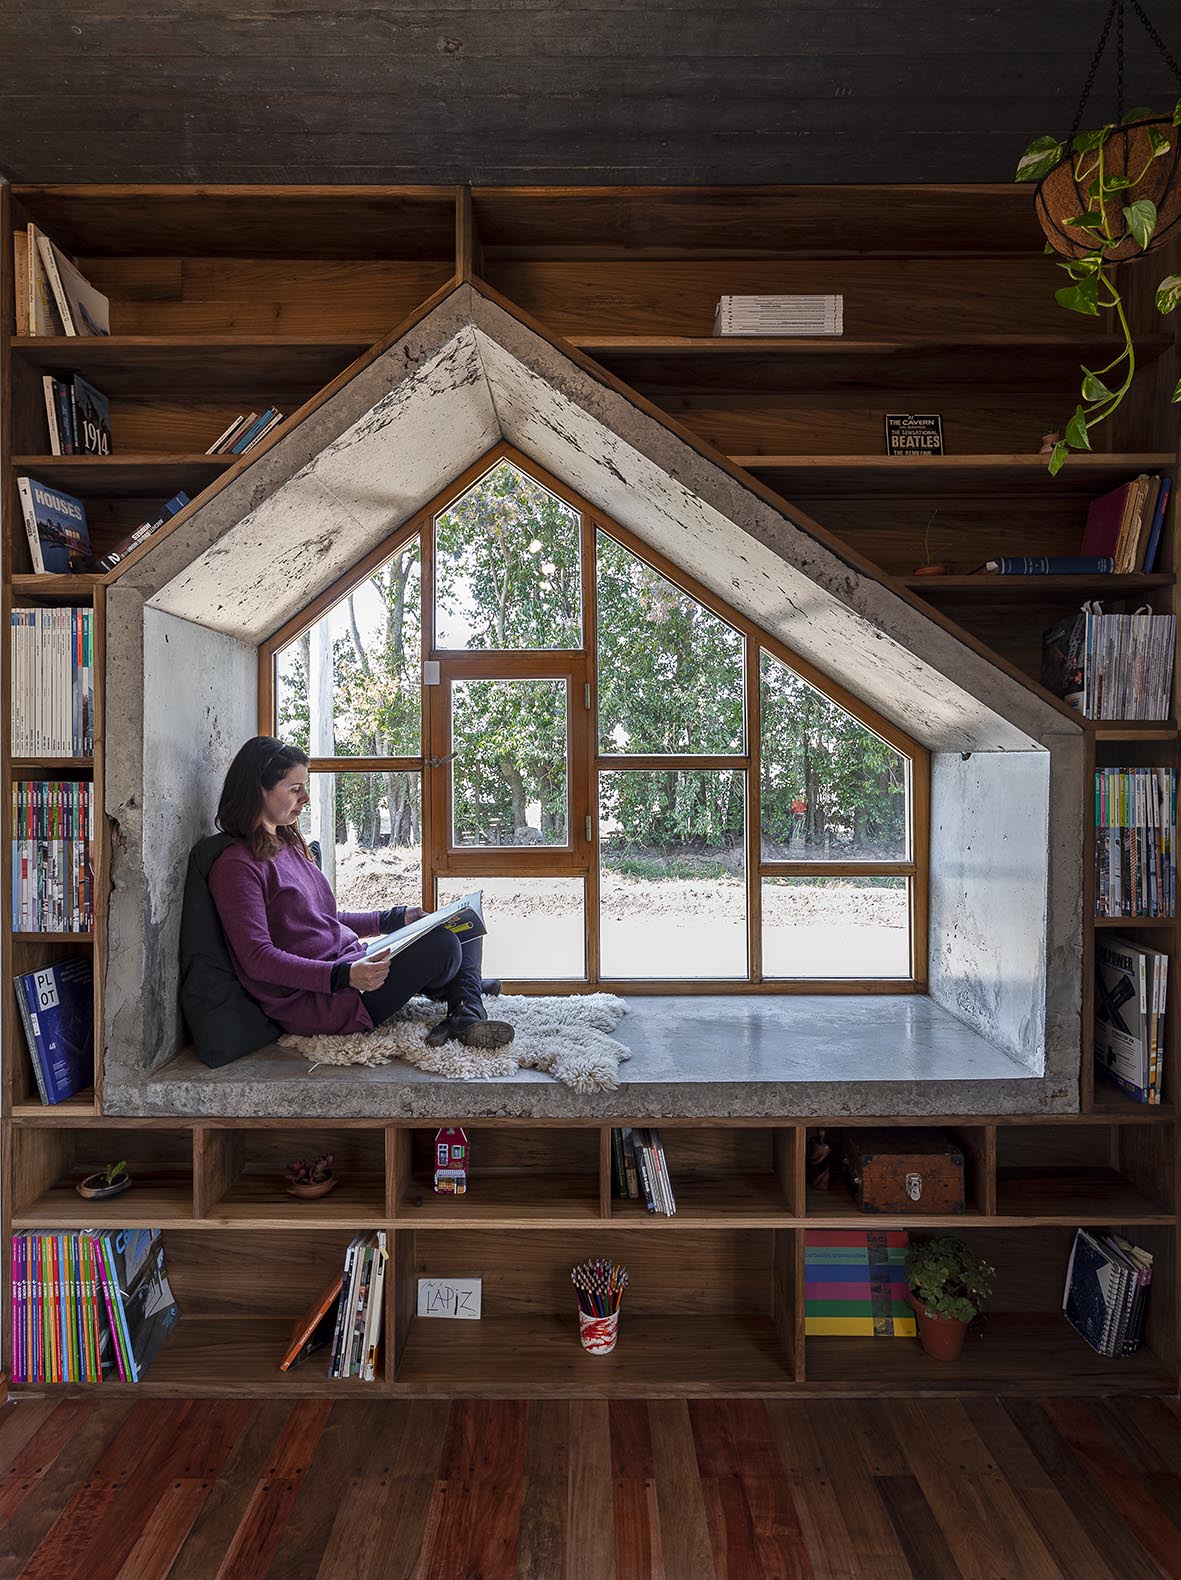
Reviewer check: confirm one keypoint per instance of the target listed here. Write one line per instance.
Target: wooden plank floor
(990, 1489)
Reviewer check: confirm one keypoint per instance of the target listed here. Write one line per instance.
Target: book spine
(53, 275)
(49, 389)
(1053, 565)
(24, 489)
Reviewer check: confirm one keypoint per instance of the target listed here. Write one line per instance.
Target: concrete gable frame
(185, 621)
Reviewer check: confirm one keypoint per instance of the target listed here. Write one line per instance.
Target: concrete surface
(704, 1057)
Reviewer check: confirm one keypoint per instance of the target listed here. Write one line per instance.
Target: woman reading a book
(299, 956)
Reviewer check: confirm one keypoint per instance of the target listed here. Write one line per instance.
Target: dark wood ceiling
(528, 91)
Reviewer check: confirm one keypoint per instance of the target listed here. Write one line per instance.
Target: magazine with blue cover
(140, 1303)
(59, 539)
(57, 1010)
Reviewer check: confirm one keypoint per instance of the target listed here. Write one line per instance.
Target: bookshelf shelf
(772, 362)
(197, 367)
(121, 476)
(621, 273)
(1011, 1353)
(854, 474)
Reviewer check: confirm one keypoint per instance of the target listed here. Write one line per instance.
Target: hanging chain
(1156, 38)
(1116, 5)
(1119, 66)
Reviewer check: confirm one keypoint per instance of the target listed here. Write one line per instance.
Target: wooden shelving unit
(630, 278)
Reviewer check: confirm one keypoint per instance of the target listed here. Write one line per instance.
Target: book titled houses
(55, 524)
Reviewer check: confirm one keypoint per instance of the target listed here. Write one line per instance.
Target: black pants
(436, 964)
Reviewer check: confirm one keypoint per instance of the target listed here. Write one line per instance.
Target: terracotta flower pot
(92, 1188)
(309, 1192)
(942, 1338)
(1127, 151)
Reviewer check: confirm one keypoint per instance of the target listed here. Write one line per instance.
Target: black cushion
(224, 1022)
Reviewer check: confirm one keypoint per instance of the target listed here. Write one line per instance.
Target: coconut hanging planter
(1107, 197)
(1062, 198)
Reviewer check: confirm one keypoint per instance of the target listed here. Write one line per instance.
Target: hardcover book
(92, 412)
(55, 522)
(57, 1012)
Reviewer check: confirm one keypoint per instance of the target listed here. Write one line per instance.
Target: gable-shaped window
(515, 694)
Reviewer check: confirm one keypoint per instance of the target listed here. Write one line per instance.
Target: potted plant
(112, 1180)
(948, 1287)
(309, 1178)
(1106, 196)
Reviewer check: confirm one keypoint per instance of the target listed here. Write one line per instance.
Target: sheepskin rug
(568, 1038)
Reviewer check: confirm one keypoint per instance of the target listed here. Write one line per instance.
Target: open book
(465, 918)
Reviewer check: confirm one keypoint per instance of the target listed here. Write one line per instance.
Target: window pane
(350, 686)
(836, 927)
(672, 886)
(508, 777)
(535, 925)
(369, 827)
(831, 790)
(507, 567)
(670, 671)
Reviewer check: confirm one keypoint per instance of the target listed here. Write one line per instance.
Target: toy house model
(451, 1162)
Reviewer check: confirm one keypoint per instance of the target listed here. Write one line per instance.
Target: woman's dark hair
(259, 766)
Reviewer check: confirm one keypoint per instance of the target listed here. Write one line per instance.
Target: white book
(49, 386)
(24, 488)
(232, 429)
(374, 1314)
(44, 318)
(84, 309)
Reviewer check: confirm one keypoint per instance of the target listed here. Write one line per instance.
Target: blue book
(55, 522)
(1158, 521)
(254, 429)
(1095, 1288)
(57, 1011)
(1052, 565)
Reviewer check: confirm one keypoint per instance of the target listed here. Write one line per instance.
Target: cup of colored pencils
(599, 1286)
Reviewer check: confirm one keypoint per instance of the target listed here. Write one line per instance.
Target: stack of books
(56, 1006)
(52, 881)
(1112, 666)
(1135, 842)
(639, 1169)
(780, 315)
(1126, 524)
(53, 297)
(52, 682)
(79, 416)
(354, 1310)
(90, 1305)
(1131, 991)
(855, 1284)
(108, 561)
(1106, 1294)
(245, 432)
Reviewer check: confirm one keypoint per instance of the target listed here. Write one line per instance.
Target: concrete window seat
(692, 1057)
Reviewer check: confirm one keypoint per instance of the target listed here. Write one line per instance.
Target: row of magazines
(89, 1305)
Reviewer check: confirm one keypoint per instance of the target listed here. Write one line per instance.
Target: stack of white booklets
(780, 315)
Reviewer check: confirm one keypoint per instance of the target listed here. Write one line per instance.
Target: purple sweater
(284, 934)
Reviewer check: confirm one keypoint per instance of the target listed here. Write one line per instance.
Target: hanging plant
(1106, 197)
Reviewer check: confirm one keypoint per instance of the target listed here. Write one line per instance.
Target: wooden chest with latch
(919, 1171)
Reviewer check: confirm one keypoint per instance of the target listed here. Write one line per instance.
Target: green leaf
(1081, 298)
(1175, 397)
(1094, 389)
(1138, 114)
(1116, 184)
(1088, 221)
(1058, 457)
(1039, 158)
(1076, 430)
(1140, 218)
(1085, 141)
(1158, 143)
(1168, 294)
(1177, 113)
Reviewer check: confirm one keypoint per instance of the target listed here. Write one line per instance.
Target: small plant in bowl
(309, 1178)
(948, 1288)
(112, 1180)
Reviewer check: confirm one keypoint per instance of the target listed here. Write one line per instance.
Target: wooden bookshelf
(230, 299)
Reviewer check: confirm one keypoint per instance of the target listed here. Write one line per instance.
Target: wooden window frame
(580, 858)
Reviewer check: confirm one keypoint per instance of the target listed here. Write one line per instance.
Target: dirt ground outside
(654, 927)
